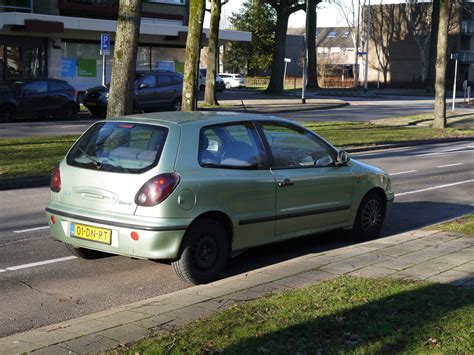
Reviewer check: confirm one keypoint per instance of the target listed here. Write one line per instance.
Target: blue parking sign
(105, 44)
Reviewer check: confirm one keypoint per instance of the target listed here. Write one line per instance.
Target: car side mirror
(342, 158)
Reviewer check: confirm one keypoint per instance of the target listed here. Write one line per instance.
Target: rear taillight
(157, 189)
(75, 93)
(56, 180)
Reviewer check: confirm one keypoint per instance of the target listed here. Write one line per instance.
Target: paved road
(40, 283)
(359, 109)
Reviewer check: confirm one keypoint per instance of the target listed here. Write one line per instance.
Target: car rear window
(120, 147)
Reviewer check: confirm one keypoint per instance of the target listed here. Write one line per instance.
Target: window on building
(345, 34)
(332, 34)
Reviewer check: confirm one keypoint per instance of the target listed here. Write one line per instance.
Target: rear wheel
(370, 217)
(97, 113)
(205, 252)
(70, 111)
(7, 113)
(84, 253)
(176, 106)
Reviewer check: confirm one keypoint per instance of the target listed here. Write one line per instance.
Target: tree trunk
(276, 80)
(440, 89)
(193, 48)
(125, 58)
(210, 93)
(433, 42)
(312, 59)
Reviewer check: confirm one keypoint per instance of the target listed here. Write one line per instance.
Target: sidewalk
(421, 255)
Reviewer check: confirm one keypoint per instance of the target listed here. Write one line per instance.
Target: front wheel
(370, 217)
(205, 252)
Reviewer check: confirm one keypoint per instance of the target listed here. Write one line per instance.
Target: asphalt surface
(359, 109)
(362, 109)
(40, 283)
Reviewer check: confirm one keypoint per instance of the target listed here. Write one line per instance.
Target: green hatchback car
(191, 188)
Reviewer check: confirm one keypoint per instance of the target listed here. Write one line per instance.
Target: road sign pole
(454, 85)
(104, 71)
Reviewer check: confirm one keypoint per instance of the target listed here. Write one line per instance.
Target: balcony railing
(466, 57)
(16, 6)
(467, 27)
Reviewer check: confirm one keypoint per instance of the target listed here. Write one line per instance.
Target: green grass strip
(344, 315)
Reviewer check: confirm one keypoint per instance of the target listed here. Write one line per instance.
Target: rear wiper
(97, 163)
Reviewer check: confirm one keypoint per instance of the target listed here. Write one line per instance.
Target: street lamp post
(455, 57)
(305, 58)
(367, 49)
(287, 60)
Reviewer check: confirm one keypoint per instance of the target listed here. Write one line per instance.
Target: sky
(327, 14)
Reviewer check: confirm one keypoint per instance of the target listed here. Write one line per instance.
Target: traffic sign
(104, 44)
(288, 60)
(454, 56)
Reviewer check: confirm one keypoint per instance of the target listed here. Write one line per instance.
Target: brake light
(56, 180)
(157, 189)
(75, 93)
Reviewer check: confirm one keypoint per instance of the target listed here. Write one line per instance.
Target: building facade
(61, 38)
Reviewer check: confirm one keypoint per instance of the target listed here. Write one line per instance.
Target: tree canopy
(259, 18)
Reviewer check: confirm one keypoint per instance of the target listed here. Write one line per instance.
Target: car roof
(201, 118)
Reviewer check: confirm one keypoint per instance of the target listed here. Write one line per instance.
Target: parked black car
(153, 91)
(38, 98)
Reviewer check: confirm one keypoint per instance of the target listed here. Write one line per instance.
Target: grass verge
(463, 225)
(36, 156)
(342, 315)
(353, 134)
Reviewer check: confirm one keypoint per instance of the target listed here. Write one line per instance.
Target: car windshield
(119, 147)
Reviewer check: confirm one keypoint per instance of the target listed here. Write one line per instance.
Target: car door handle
(285, 183)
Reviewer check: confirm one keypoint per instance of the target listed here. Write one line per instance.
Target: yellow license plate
(89, 103)
(100, 235)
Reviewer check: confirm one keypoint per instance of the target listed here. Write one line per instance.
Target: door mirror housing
(342, 158)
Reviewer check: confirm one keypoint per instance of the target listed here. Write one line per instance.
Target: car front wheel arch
(370, 216)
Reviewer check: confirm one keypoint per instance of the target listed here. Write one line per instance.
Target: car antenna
(245, 109)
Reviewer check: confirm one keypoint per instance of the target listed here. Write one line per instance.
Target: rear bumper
(95, 105)
(159, 238)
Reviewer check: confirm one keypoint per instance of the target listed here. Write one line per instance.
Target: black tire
(176, 106)
(83, 253)
(204, 253)
(70, 111)
(370, 217)
(7, 113)
(97, 113)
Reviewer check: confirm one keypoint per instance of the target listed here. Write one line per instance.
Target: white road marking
(445, 153)
(434, 188)
(445, 166)
(403, 172)
(39, 263)
(31, 229)
(1, 270)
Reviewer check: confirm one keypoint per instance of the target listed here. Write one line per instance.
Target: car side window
(35, 87)
(55, 86)
(230, 146)
(149, 81)
(295, 147)
(164, 80)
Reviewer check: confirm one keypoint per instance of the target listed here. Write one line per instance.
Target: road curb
(286, 110)
(25, 182)
(42, 181)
